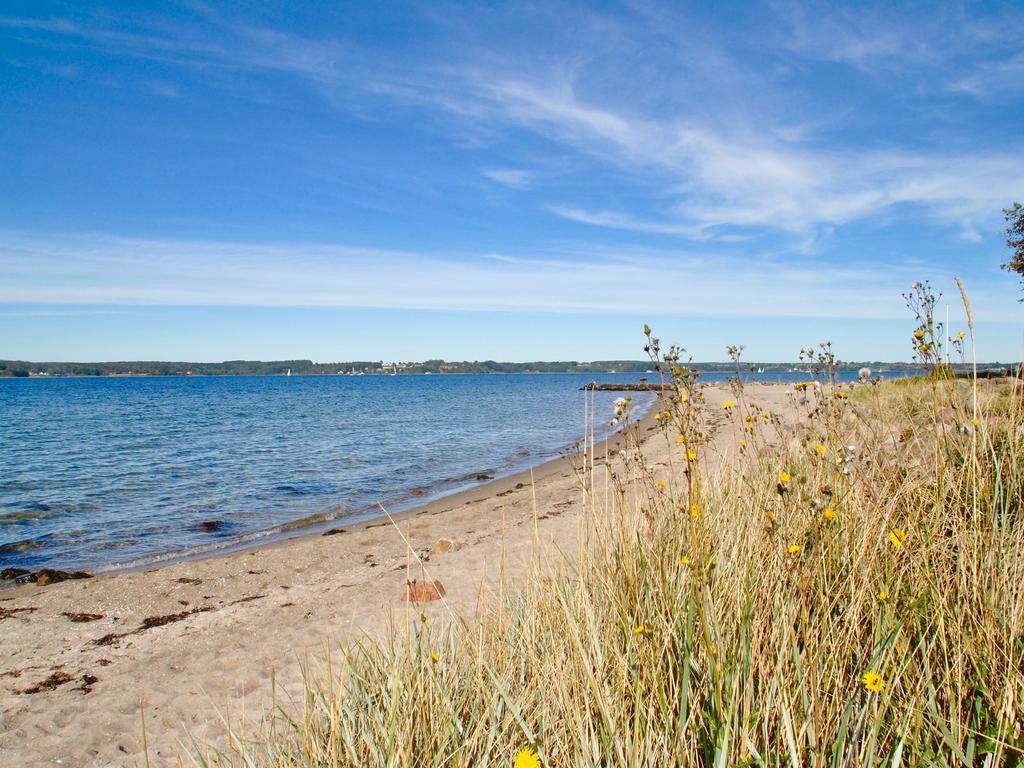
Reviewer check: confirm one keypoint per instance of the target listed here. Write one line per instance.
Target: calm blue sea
(117, 472)
(108, 472)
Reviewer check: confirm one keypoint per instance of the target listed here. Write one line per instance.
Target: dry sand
(236, 619)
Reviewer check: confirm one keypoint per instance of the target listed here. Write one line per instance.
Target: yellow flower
(691, 455)
(873, 681)
(640, 630)
(661, 484)
(841, 394)
(883, 596)
(743, 443)
(793, 549)
(681, 440)
(683, 398)
(657, 417)
(819, 449)
(527, 758)
(974, 422)
(829, 513)
(728, 404)
(784, 477)
(919, 334)
(435, 658)
(925, 347)
(897, 537)
(684, 560)
(694, 511)
(960, 336)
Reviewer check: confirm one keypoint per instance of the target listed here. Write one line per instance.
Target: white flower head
(621, 407)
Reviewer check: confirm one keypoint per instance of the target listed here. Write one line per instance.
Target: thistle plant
(928, 335)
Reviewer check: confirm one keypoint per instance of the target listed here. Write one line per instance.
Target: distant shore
(28, 369)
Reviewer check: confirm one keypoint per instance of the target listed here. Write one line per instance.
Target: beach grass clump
(842, 586)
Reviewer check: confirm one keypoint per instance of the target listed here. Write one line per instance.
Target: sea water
(117, 472)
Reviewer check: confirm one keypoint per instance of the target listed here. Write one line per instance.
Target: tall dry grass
(845, 589)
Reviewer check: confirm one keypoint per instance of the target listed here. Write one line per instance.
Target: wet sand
(84, 663)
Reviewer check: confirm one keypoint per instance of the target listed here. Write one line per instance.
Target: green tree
(1015, 239)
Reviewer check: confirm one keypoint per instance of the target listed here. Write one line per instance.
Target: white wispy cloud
(992, 79)
(945, 46)
(866, 38)
(60, 312)
(99, 270)
(614, 220)
(511, 177)
(754, 179)
(729, 173)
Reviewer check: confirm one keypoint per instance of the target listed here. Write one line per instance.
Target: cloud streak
(511, 177)
(745, 178)
(98, 270)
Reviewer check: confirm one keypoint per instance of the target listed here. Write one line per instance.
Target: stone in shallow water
(12, 573)
(210, 526)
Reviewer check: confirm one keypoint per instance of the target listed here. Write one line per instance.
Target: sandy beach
(85, 663)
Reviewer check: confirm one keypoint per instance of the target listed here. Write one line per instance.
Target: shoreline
(368, 519)
(318, 523)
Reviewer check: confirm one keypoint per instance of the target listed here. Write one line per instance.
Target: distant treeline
(23, 368)
(306, 368)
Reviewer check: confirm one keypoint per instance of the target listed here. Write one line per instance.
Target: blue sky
(506, 180)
